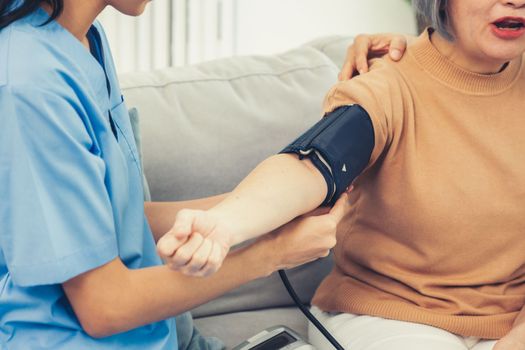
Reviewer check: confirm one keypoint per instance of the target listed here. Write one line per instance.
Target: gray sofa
(204, 127)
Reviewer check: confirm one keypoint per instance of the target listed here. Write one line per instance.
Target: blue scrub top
(71, 195)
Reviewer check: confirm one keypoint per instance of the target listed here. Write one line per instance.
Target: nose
(514, 3)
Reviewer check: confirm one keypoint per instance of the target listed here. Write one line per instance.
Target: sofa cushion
(334, 47)
(135, 126)
(270, 291)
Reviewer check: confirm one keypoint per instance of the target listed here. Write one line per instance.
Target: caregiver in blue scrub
(78, 263)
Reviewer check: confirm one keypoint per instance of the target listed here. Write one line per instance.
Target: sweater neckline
(457, 77)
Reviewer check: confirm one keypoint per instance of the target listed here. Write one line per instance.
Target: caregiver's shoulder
(27, 56)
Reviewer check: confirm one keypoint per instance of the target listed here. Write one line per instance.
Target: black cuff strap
(339, 146)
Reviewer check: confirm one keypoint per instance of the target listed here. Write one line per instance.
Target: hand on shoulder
(368, 46)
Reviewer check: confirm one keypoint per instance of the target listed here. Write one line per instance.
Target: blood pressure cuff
(339, 146)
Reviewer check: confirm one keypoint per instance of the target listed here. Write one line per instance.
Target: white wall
(178, 32)
(267, 26)
(140, 43)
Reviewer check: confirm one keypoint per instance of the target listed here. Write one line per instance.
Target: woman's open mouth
(509, 27)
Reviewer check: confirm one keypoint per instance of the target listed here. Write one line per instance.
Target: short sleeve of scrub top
(71, 189)
(61, 222)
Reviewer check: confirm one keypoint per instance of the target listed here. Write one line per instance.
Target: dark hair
(13, 10)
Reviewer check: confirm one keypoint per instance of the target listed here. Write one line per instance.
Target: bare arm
(161, 215)
(112, 298)
(279, 189)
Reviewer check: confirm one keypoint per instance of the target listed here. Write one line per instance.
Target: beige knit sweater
(437, 230)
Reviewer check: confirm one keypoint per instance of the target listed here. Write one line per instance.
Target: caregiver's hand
(366, 47)
(199, 241)
(308, 237)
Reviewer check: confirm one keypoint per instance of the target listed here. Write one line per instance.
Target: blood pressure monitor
(275, 338)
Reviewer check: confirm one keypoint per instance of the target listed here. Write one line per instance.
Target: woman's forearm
(278, 190)
(161, 215)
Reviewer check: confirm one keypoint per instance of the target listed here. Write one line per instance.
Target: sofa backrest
(204, 127)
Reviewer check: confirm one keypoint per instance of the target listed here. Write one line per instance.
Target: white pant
(355, 332)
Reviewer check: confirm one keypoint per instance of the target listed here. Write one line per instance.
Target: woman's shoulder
(386, 70)
(381, 92)
(379, 85)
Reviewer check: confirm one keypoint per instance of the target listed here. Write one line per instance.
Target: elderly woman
(431, 255)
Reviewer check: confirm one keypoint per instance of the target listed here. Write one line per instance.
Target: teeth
(511, 25)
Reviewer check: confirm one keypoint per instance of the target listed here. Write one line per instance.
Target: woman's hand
(199, 241)
(366, 47)
(307, 237)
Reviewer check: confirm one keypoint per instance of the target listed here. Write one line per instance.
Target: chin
(503, 50)
(135, 10)
(504, 55)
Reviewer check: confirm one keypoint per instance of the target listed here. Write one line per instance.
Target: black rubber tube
(307, 312)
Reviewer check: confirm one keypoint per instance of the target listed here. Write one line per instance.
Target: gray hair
(436, 14)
